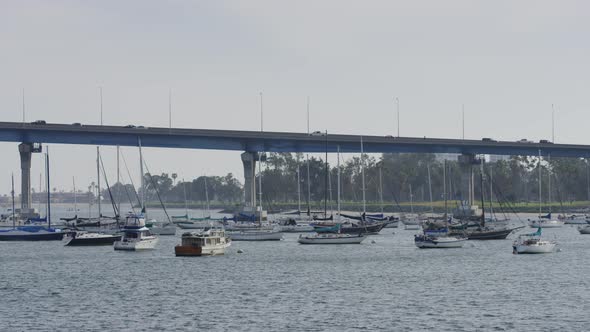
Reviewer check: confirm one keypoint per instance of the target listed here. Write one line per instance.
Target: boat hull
(144, 244)
(255, 236)
(97, 241)
(31, 233)
(441, 243)
(534, 249)
(170, 230)
(546, 224)
(336, 240)
(200, 251)
(584, 230)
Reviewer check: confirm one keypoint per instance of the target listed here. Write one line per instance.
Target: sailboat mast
(381, 186)
(308, 176)
(363, 177)
(12, 194)
(483, 209)
(549, 181)
(326, 179)
(430, 189)
(98, 181)
(540, 200)
(48, 191)
(260, 186)
(338, 184)
(142, 194)
(298, 185)
(445, 186)
(119, 184)
(491, 191)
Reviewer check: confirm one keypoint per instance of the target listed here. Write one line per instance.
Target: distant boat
(430, 241)
(256, 235)
(584, 229)
(544, 221)
(332, 238)
(209, 242)
(92, 239)
(573, 219)
(532, 244)
(33, 233)
(135, 235)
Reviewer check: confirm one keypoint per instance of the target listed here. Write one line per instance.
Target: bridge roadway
(255, 141)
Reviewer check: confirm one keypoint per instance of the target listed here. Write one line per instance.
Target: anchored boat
(209, 242)
(532, 244)
(79, 239)
(135, 235)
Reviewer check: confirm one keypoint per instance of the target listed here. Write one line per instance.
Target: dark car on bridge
(39, 122)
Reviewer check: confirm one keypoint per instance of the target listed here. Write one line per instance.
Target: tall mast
(119, 184)
(298, 186)
(363, 176)
(326, 179)
(12, 194)
(338, 184)
(483, 209)
(381, 186)
(430, 189)
(48, 190)
(98, 181)
(445, 186)
(142, 194)
(397, 104)
(549, 181)
(491, 191)
(260, 186)
(540, 200)
(308, 176)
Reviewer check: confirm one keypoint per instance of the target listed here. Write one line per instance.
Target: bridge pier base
(251, 207)
(26, 151)
(468, 207)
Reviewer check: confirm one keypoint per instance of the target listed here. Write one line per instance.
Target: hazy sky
(507, 61)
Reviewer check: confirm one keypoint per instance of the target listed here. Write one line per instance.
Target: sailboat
(259, 232)
(136, 236)
(532, 244)
(335, 235)
(33, 233)
(436, 232)
(544, 221)
(493, 231)
(198, 223)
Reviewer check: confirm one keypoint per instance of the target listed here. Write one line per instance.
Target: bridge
(253, 142)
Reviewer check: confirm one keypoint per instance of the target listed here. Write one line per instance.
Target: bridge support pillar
(26, 151)
(468, 208)
(249, 160)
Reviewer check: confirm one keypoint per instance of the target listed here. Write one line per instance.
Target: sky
(507, 62)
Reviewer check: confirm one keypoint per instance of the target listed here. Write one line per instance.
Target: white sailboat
(532, 244)
(136, 236)
(544, 221)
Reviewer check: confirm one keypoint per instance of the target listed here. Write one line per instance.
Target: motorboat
(91, 239)
(532, 244)
(331, 238)
(135, 235)
(209, 242)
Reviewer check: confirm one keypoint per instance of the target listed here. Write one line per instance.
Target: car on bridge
(39, 122)
(129, 126)
(544, 141)
(487, 139)
(317, 133)
(524, 140)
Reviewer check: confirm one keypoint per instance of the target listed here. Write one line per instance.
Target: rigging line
(106, 180)
(156, 189)
(131, 180)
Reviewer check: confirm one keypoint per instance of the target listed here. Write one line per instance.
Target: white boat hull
(443, 243)
(331, 240)
(255, 236)
(544, 248)
(143, 244)
(215, 250)
(546, 223)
